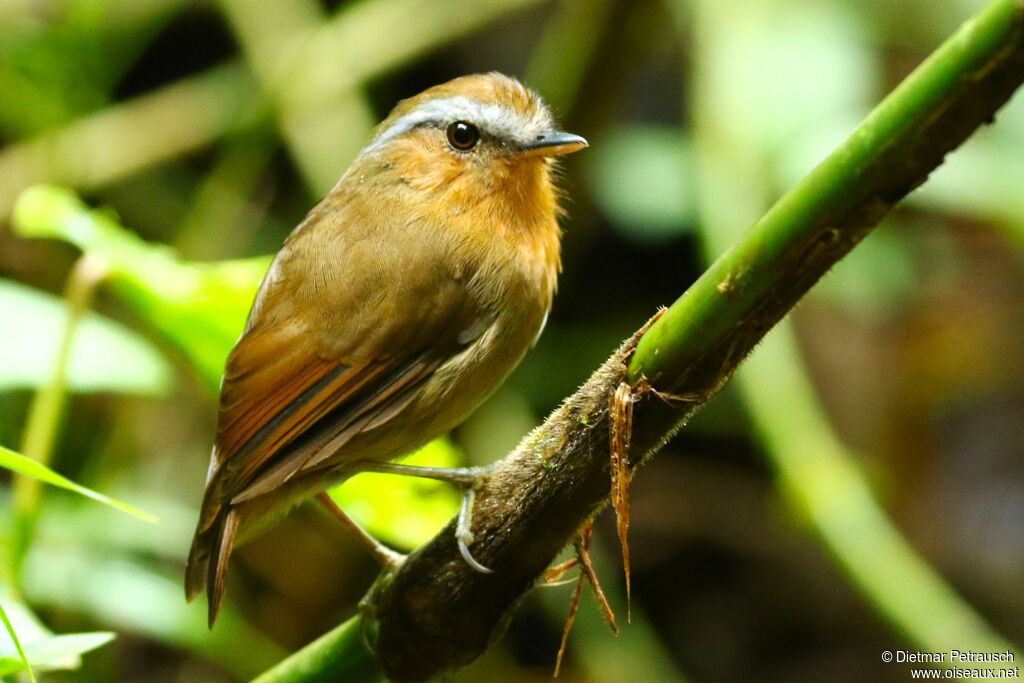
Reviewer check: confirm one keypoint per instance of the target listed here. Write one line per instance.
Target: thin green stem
(224, 201)
(821, 480)
(560, 61)
(44, 415)
(324, 136)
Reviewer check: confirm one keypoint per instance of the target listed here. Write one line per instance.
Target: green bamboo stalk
(338, 655)
(818, 476)
(44, 414)
(753, 284)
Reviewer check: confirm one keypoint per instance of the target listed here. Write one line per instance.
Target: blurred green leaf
(39, 647)
(198, 308)
(30, 468)
(134, 598)
(876, 277)
(55, 652)
(64, 59)
(787, 124)
(830, 80)
(49, 70)
(984, 179)
(62, 520)
(105, 356)
(640, 178)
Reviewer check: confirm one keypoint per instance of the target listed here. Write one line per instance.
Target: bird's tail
(211, 549)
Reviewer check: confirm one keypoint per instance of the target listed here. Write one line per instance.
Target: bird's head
(475, 139)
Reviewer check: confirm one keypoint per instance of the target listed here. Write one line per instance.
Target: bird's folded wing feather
(341, 411)
(296, 381)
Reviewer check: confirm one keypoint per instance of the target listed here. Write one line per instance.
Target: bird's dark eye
(462, 136)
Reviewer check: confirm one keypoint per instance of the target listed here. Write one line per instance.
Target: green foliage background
(859, 489)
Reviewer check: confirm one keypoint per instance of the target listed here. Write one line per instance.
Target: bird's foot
(466, 478)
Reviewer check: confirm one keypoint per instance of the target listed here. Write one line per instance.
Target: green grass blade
(17, 645)
(30, 468)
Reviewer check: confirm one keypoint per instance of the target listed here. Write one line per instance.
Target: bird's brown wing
(280, 401)
(327, 404)
(328, 353)
(286, 393)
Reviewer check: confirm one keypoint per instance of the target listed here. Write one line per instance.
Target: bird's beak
(553, 143)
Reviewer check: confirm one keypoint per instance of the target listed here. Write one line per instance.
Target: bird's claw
(464, 534)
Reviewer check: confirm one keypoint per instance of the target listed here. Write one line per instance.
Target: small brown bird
(392, 311)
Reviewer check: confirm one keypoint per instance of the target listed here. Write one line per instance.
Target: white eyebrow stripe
(495, 119)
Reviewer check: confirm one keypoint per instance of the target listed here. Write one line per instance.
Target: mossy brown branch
(435, 612)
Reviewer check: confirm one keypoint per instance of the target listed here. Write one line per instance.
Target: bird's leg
(385, 556)
(466, 478)
(463, 477)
